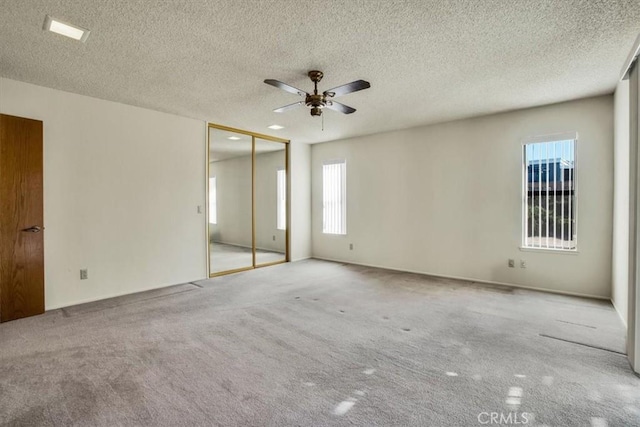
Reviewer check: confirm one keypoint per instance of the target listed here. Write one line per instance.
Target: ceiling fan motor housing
(315, 100)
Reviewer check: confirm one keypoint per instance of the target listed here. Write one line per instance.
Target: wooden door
(21, 218)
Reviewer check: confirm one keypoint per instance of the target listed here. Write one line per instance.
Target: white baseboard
(468, 279)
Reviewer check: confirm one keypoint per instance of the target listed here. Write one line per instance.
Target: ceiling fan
(317, 101)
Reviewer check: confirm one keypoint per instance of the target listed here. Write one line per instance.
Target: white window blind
(281, 202)
(334, 197)
(213, 212)
(550, 193)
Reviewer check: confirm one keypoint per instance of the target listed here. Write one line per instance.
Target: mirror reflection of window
(281, 203)
(213, 211)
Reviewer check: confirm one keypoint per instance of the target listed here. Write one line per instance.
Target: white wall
(121, 190)
(300, 185)
(620, 255)
(447, 199)
(122, 185)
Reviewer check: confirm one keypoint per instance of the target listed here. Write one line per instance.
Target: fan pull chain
(323, 123)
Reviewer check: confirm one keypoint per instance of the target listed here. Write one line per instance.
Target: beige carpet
(315, 343)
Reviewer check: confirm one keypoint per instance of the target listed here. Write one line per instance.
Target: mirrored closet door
(230, 189)
(270, 201)
(248, 203)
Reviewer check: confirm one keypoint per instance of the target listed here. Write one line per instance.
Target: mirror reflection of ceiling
(263, 146)
(224, 148)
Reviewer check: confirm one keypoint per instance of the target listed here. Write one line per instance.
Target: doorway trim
(254, 136)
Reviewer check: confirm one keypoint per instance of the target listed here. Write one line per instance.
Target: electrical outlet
(274, 238)
(512, 263)
(199, 209)
(523, 263)
(84, 274)
(350, 246)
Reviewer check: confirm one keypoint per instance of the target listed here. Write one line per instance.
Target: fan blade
(285, 86)
(348, 88)
(288, 107)
(340, 107)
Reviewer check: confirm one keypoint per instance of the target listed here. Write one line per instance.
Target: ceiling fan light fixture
(68, 30)
(316, 101)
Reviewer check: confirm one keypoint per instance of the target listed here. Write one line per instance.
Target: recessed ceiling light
(59, 27)
(234, 138)
(276, 127)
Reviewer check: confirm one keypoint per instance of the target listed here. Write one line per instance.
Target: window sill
(551, 251)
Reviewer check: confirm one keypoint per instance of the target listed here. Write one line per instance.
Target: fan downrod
(316, 101)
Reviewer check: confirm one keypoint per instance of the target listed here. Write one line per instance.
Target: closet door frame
(254, 136)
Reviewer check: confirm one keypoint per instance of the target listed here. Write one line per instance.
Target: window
(281, 201)
(213, 213)
(550, 193)
(334, 197)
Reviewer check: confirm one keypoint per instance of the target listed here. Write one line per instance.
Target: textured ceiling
(427, 60)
